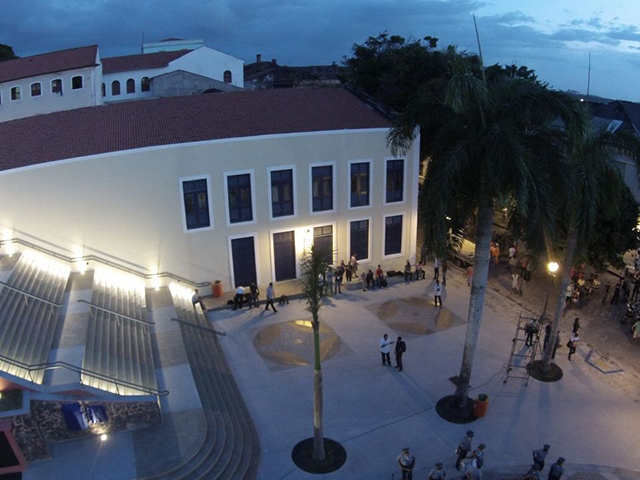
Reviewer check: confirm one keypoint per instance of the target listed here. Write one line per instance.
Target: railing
(133, 319)
(31, 295)
(205, 329)
(104, 261)
(81, 371)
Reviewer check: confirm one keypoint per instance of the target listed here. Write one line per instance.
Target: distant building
(172, 45)
(265, 75)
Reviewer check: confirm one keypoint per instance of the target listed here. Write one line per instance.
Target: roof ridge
(49, 53)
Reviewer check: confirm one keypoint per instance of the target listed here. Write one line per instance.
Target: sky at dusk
(553, 37)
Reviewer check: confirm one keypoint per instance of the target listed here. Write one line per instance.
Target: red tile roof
(141, 61)
(48, 63)
(166, 121)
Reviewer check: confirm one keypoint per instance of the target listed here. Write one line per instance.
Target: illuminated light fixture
(553, 267)
(103, 437)
(49, 266)
(0, 395)
(10, 248)
(105, 277)
(181, 292)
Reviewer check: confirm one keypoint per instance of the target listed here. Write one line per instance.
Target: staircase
(29, 314)
(231, 449)
(118, 342)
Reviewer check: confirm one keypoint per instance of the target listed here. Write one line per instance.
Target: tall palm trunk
(572, 241)
(476, 302)
(318, 437)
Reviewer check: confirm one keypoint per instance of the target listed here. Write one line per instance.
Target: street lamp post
(552, 268)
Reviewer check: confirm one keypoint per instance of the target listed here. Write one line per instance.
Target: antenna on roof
(142, 44)
(589, 77)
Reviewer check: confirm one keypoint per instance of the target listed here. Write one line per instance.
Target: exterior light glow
(103, 437)
(553, 267)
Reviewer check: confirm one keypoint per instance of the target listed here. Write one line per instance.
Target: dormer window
(36, 89)
(145, 84)
(104, 90)
(15, 93)
(131, 86)
(227, 76)
(76, 82)
(115, 88)
(56, 86)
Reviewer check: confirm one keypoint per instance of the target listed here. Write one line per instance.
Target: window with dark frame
(281, 193)
(239, 191)
(196, 204)
(145, 84)
(104, 90)
(76, 82)
(131, 86)
(115, 88)
(393, 235)
(56, 86)
(360, 184)
(360, 239)
(36, 89)
(226, 76)
(322, 188)
(395, 181)
(15, 93)
(323, 240)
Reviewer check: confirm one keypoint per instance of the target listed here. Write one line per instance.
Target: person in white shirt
(437, 292)
(512, 252)
(239, 298)
(436, 268)
(385, 350)
(270, 298)
(573, 344)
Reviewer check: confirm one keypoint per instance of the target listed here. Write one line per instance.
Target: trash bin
(481, 405)
(216, 287)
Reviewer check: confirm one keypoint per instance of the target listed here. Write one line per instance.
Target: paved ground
(374, 411)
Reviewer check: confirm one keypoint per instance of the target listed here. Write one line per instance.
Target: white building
(50, 82)
(230, 187)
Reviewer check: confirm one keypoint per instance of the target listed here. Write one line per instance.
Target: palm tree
(592, 184)
(312, 268)
(484, 136)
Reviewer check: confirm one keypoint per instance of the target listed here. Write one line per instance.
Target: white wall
(211, 63)
(122, 77)
(128, 205)
(49, 102)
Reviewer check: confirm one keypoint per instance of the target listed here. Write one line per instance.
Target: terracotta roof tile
(140, 61)
(52, 62)
(165, 121)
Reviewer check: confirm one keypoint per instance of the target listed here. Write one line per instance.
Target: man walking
(576, 325)
(539, 456)
(557, 470)
(255, 295)
(385, 350)
(573, 345)
(463, 448)
(437, 292)
(436, 269)
(271, 295)
(407, 462)
(401, 347)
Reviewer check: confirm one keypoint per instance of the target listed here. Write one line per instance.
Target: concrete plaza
(375, 411)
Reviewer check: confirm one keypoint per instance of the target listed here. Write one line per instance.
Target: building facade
(236, 195)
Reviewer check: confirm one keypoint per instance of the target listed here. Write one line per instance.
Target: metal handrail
(104, 261)
(133, 319)
(206, 329)
(31, 295)
(82, 371)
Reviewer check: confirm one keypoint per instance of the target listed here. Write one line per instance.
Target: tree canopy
(6, 53)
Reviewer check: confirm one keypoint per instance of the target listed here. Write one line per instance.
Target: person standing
(496, 256)
(238, 298)
(635, 329)
(349, 271)
(607, 287)
(557, 470)
(363, 281)
(437, 473)
(329, 282)
(339, 273)
(463, 448)
(255, 295)
(436, 269)
(539, 456)
(512, 252)
(576, 325)
(354, 264)
(370, 282)
(385, 350)
(271, 295)
(469, 275)
(401, 347)
(616, 293)
(407, 272)
(437, 293)
(420, 271)
(573, 344)
(530, 330)
(379, 274)
(407, 462)
(478, 455)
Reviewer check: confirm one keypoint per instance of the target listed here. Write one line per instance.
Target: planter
(481, 405)
(216, 287)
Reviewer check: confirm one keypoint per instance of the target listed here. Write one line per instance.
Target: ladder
(518, 365)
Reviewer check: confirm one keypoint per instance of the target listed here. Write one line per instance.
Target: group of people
(333, 277)
(253, 297)
(470, 461)
(385, 351)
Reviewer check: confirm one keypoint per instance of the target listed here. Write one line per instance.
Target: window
(76, 82)
(322, 188)
(239, 192)
(144, 84)
(281, 193)
(36, 89)
(393, 235)
(395, 181)
(360, 239)
(131, 86)
(323, 241)
(15, 93)
(360, 184)
(104, 90)
(56, 86)
(227, 76)
(115, 88)
(196, 204)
